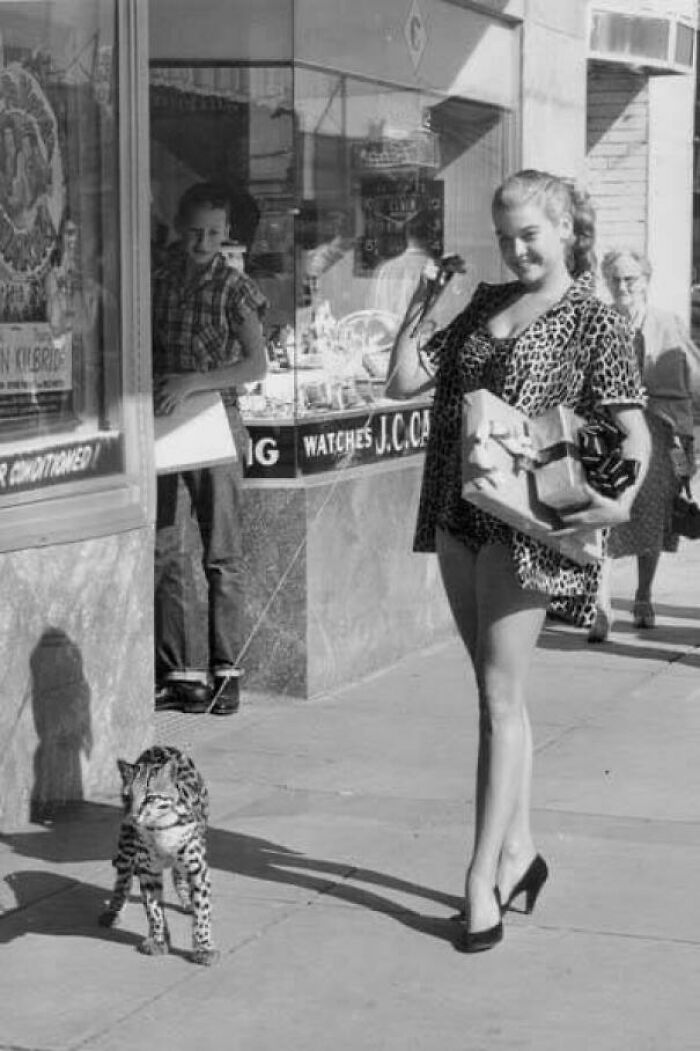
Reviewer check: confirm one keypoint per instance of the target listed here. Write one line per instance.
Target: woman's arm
(636, 445)
(407, 375)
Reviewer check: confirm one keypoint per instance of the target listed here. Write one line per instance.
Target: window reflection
(355, 184)
(390, 178)
(60, 362)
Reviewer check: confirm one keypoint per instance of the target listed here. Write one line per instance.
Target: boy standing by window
(207, 336)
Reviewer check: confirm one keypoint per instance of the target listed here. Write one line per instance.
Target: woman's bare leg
(500, 624)
(518, 845)
(458, 570)
(604, 596)
(646, 571)
(510, 621)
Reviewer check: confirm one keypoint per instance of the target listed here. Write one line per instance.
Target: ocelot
(166, 807)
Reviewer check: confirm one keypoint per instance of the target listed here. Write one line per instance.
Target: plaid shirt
(196, 323)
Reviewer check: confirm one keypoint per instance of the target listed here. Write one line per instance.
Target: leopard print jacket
(579, 353)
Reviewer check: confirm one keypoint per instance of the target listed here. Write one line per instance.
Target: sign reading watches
(336, 442)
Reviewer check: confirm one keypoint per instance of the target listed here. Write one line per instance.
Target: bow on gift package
(600, 449)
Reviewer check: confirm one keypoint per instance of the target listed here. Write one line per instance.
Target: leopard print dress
(580, 354)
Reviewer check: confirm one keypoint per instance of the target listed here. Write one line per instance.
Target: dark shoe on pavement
(168, 699)
(196, 697)
(226, 694)
(643, 614)
(189, 692)
(600, 629)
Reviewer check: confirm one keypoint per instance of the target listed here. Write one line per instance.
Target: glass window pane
(390, 177)
(640, 37)
(685, 44)
(60, 356)
(350, 185)
(234, 125)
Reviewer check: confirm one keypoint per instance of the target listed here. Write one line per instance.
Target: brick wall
(617, 162)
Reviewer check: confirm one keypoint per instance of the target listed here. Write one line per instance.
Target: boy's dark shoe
(190, 693)
(226, 694)
(196, 697)
(168, 699)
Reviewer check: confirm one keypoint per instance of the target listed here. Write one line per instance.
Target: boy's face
(203, 230)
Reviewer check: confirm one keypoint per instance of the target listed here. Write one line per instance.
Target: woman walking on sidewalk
(670, 365)
(537, 342)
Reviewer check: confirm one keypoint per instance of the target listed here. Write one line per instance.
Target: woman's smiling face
(533, 245)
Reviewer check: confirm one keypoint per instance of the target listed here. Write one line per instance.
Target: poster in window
(35, 361)
(395, 206)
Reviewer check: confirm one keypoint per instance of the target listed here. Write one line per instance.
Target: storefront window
(343, 186)
(389, 179)
(60, 339)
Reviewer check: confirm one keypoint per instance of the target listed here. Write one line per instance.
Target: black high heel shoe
(530, 884)
(479, 941)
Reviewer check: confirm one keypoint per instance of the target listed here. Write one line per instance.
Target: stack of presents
(529, 472)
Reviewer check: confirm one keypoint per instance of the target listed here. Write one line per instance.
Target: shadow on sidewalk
(686, 641)
(44, 902)
(261, 859)
(56, 906)
(663, 609)
(60, 696)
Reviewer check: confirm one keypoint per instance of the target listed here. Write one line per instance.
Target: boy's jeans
(213, 496)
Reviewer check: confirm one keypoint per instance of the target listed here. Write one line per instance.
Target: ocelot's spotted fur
(165, 821)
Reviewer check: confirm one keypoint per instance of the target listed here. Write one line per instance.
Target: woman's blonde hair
(559, 196)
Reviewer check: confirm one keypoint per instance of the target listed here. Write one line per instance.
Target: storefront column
(76, 451)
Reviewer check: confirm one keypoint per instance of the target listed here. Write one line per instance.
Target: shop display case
(343, 188)
(358, 142)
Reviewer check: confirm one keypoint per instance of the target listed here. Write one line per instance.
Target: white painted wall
(553, 127)
(671, 114)
(617, 161)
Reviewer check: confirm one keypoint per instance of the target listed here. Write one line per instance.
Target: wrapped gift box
(501, 451)
(560, 477)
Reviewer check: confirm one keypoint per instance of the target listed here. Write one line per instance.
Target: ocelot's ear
(127, 771)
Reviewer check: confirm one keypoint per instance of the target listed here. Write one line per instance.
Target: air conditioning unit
(657, 44)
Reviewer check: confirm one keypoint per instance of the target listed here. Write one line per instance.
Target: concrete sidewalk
(339, 837)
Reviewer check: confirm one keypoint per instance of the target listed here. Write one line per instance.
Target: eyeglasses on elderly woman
(624, 280)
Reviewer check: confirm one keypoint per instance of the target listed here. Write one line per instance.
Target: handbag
(685, 515)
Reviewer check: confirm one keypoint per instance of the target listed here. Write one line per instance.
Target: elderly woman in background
(670, 366)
